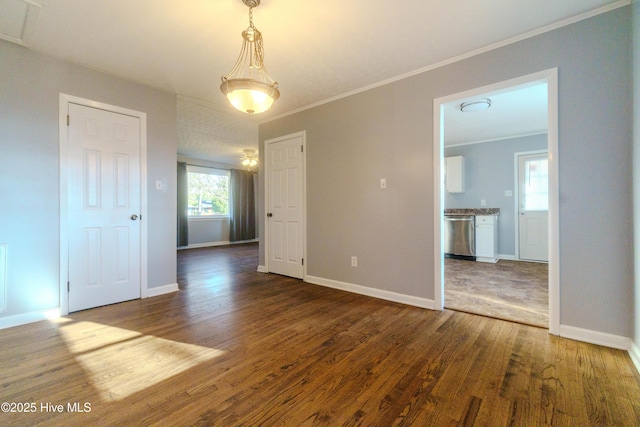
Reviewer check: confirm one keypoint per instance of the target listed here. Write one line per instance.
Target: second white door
(285, 209)
(103, 207)
(533, 207)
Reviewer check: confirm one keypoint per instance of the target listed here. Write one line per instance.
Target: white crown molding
(504, 138)
(488, 48)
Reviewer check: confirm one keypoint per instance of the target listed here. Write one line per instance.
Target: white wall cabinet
(454, 174)
(487, 238)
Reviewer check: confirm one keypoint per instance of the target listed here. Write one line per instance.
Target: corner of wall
(634, 353)
(635, 13)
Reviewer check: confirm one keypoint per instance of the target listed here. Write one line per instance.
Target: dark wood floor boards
(239, 348)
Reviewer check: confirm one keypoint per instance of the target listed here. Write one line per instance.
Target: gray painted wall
(387, 132)
(30, 84)
(203, 231)
(489, 171)
(636, 162)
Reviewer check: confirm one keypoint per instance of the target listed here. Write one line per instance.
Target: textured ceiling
(316, 50)
(204, 129)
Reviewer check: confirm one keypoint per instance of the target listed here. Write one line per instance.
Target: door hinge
(68, 286)
(302, 148)
(302, 261)
(68, 120)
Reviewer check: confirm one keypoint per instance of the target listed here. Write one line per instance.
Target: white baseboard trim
(262, 269)
(593, 337)
(634, 353)
(23, 319)
(162, 290)
(507, 257)
(372, 292)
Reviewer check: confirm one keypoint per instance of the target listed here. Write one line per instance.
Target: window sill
(209, 218)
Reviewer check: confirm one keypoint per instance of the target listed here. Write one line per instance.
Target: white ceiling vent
(18, 20)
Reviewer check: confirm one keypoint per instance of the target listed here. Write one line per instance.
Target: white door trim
(516, 192)
(64, 102)
(303, 135)
(549, 76)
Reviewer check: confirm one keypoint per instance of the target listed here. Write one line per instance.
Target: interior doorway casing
(63, 109)
(550, 77)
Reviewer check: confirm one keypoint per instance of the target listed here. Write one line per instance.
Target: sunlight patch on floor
(122, 362)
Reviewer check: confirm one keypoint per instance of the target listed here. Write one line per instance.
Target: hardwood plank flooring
(510, 290)
(239, 348)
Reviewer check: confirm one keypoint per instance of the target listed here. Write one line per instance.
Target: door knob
(134, 217)
(269, 214)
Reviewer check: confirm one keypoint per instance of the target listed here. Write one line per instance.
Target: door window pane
(536, 185)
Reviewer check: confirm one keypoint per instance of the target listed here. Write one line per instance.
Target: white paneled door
(103, 207)
(533, 207)
(284, 175)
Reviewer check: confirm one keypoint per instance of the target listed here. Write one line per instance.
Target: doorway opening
(504, 195)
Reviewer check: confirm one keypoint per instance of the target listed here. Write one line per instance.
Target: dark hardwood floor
(236, 347)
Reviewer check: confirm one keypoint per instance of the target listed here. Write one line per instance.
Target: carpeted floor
(510, 290)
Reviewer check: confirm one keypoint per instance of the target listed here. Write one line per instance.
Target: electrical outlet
(508, 193)
(383, 183)
(483, 203)
(354, 261)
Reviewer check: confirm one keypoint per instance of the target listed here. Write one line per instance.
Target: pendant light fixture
(248, 86)
(249, 158)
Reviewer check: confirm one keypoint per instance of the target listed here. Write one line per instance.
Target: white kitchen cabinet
(454, 174)
(487, 238)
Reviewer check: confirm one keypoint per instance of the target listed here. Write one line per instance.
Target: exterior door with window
(285, 215)
(533, 207)
(103, 207)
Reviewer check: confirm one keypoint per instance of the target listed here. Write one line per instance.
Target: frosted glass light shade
(248, 95)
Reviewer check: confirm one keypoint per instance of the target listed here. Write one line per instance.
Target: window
(208, 192)
(536, 185)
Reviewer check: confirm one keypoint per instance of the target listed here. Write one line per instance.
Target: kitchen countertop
(473, 211)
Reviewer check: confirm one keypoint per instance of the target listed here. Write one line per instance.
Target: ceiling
(316, 50)
(513, 112)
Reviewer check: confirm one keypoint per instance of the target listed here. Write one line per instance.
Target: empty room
(245, 212)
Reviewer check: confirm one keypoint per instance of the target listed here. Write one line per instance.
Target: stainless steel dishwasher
(460, 236)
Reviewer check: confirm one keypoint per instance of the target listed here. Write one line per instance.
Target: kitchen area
(482, 273)
(469, 233)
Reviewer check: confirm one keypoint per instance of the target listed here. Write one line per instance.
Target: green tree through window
(208, 194)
